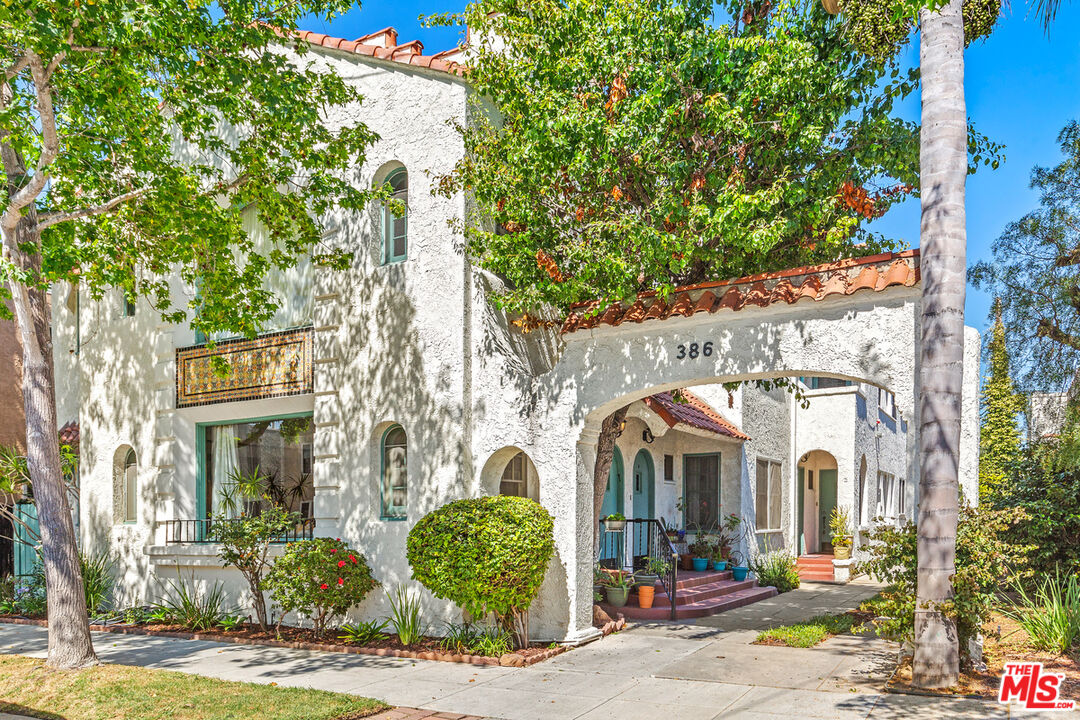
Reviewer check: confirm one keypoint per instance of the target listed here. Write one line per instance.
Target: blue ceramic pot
(739, 573)
(720, 565)
(701, 564)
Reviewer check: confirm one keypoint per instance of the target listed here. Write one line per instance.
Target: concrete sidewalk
(688, 672)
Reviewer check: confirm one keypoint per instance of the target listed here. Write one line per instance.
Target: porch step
(703, 591)
(815, 568)
(661, 610)
(689, 579)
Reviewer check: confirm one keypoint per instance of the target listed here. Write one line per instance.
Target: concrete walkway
(701, 670)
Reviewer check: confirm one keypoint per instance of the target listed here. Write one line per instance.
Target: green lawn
(104, 692)
(809, 633)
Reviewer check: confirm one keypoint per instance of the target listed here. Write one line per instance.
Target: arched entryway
(816, 501)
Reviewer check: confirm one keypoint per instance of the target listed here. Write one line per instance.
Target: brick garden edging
(507, 660)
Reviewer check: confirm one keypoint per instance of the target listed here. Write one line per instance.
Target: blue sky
(1022, 87)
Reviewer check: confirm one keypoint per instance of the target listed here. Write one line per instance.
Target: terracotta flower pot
(687, 561)
(645, 594)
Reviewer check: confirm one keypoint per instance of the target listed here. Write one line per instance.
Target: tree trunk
(70, 645)
(605, 453)
(943, 160)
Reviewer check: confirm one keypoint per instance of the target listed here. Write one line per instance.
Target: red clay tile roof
(817, 282)
(695, 412)
(410, 53)
(69, 435)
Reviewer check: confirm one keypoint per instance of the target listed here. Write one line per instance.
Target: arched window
(128, 487)
(395, 479)
(519, 478)
(395, 227)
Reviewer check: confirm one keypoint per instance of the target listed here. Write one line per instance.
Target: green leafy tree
(1036, 274)
(133, 136)
(639, 146)
(999, 434)
(245, 544)
(487, 555)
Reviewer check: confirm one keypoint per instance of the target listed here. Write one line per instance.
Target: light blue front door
(613, 496)
(644, 502)
(611, 543)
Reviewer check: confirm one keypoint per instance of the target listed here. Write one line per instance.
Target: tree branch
(51, 219)
(17, 67)
(50, 145)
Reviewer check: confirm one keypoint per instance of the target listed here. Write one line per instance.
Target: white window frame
(773, 525)
(887, 402)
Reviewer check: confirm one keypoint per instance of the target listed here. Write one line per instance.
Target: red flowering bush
(320, 578)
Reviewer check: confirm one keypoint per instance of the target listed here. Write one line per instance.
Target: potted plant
(719, 557)
(729, 527)
(615, 522)
(840, 526)
(700, 551)
(739, 571)
(617, 587)
(598, 580)
(646, 581)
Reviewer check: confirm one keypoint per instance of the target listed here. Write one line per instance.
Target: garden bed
(429, 648)
(1004, 641)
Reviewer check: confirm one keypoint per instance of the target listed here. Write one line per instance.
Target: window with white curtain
(254, 462)
(395, 473)
(888, 495)
(767, 500)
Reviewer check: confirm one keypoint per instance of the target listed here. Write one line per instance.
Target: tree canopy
(641, 145)
(1036, 274)
(147, 127)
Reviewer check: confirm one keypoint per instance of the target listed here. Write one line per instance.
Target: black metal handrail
(198, 531)
(631, 547)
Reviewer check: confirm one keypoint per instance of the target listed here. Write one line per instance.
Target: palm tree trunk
(943, 161)
(70, 645)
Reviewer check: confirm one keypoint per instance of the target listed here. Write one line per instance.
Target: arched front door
(644, 499)
(612, 544)
(613, 496)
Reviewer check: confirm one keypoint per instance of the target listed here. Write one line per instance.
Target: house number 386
(692, 350)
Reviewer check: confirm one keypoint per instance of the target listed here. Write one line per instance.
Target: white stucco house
(387, 390)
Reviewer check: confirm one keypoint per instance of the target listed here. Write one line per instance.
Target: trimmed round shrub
(320, 578)
(487, 555)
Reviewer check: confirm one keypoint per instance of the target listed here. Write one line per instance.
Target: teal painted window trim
(201, 509)
(399, 181)
(719, 459)
(404, 510)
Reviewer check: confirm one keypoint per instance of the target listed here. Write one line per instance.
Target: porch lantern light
(647, 436)
(622, 426)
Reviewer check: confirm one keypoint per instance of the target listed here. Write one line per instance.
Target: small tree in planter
(487, 555)
(245, 544)
(320, 578)
(840, 527)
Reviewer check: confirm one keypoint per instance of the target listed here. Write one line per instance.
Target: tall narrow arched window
(395, 480)
(129, 488)
(395, 228)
